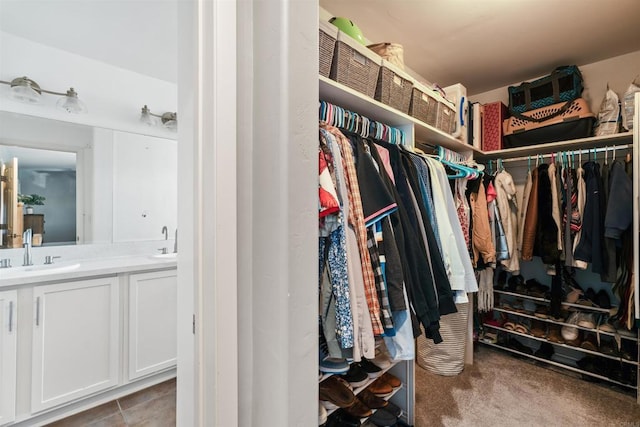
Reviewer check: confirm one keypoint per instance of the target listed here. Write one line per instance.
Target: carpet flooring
(501, 390)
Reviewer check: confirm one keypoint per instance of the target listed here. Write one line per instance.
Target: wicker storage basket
(328, 34)
(424, 105)
(566, 120)
(394, 87)
(355, 66)
(446, 116)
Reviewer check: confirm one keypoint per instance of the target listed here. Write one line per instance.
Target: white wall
(618, 72)
(114, 96)
(145, 187)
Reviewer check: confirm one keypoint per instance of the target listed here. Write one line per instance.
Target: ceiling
(484, 44)
(489, 44)
(138, 35)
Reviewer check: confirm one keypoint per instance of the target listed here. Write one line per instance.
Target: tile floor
(152, 407)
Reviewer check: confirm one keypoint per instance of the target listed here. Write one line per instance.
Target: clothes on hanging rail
(389, 201)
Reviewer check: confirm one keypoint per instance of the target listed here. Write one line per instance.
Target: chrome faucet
(26, 243)
(175, 243)
(165, 232)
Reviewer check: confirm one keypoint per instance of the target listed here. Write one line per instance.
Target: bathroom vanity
(82, 332)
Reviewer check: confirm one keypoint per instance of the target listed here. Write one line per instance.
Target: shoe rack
(400, 396)
(566, 355)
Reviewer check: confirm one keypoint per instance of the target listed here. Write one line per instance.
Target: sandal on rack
(522, 328)
(509, 325)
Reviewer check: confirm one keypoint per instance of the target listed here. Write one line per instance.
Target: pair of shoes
(545, 351)
(334, 393)
(328, 364)
(536, 289)
(518, 346)
(383, 418)
(542, 312)
(385, 385)
(538, 328)
(371, 369)
(382, 358)
(586, 320)
(340, 418)
(516, 284)
(589, 342)
(569, 332)
(554, 335)
(355, 376)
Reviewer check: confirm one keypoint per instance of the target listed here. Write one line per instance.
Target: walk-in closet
(528, 245)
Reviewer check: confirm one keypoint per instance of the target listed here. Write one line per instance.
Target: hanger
(453, 160)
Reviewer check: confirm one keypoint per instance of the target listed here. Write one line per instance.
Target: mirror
(99, 185)
(125, 171)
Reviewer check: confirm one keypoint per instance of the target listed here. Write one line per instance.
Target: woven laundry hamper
(446, 358)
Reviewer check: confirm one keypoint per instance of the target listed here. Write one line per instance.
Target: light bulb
(25, 90)
(71, 104)
(146, 117)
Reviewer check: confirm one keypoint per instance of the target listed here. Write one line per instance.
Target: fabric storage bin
(563, 121)
(328, 34)
(446, 358)
(355, 66)
(494, 115)
(423, 105)
(446, 121)
(394, 87)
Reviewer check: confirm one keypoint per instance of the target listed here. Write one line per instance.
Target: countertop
(81, 268)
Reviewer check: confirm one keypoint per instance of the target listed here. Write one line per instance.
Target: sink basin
(165, 256)
(32, 270)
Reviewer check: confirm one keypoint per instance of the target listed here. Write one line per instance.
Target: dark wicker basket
(446, 118)
(423, 106)
(355, 66)
(328, 33)
(394, 87)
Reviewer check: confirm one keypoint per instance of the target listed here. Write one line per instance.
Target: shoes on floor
(535, 288)
(335, 394)
(541, 312)
(355, 375)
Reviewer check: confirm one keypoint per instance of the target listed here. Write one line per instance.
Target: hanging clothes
(576, 219)
(507, 205)
(556, 203)
(590, 247)
(523, 210)
(530, 219)
(357, 220)
(363, 337)
(484, 251)
(461, 267)
(545, 243)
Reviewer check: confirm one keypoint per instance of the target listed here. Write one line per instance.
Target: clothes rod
(582, 151)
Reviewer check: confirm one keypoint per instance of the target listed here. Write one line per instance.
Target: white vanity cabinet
(76, 340)
(152, 324)
(8, 341)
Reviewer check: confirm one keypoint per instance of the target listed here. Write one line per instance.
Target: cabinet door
(75, 340)
(152, 322)
(8, 316)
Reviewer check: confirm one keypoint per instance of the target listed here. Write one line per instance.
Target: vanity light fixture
(168, 120)
(26, 90)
